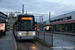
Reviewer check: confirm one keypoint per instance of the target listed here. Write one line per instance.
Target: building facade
(65, 21)
(3, 17)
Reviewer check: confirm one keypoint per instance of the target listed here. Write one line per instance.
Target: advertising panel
(2, 26)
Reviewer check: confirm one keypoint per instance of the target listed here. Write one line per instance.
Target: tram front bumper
(25, 37)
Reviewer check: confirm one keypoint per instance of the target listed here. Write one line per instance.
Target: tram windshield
(26, 25)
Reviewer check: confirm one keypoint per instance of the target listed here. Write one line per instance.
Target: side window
(16, 27)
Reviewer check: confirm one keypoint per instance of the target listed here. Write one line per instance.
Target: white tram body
(21, 35)
(26, 28)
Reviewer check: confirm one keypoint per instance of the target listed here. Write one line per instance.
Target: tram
(24, 27)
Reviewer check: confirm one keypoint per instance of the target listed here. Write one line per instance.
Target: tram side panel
(14, 30)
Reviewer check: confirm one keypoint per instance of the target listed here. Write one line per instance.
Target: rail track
(28, 45)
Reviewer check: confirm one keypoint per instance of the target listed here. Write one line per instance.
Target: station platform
(60, 42)
(6, 44)
(65, 33)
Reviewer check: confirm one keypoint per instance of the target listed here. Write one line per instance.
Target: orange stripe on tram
(26, 18)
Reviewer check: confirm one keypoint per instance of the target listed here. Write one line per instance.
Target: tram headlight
(33, 33)
(20, 33)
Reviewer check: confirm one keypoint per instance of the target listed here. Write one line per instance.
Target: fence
(45, 37)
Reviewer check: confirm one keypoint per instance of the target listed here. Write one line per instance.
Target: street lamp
(49, 17)
(42, 19)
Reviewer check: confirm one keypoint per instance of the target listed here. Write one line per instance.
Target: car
(44, 28)
(7, 29)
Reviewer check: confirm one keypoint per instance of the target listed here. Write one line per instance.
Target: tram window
(25, 25)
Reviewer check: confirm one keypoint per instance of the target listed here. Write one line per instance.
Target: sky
(56, 7)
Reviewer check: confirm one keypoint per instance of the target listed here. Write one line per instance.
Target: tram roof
(25, 15)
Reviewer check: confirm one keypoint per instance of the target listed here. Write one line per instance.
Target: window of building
(58, 19)
(68, 17)
(54, 20)
(61, 19)
(51, 21)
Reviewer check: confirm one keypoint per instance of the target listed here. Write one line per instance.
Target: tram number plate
(27, 33)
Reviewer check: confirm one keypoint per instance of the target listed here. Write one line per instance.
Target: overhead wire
(54, 4)
(67, 7)
(57, 4)
(61, 8)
